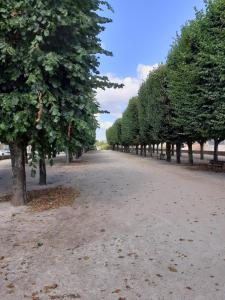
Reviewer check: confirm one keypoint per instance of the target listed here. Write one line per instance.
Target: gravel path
(141, 229)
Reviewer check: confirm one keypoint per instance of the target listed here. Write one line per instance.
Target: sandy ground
(141, 229)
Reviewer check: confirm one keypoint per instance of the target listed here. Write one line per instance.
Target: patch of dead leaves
(47, 199)
(52, 198)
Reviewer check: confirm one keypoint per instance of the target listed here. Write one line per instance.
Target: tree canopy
(183, 100)
(48, 77)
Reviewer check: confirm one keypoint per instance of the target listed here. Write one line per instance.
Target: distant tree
(113, 135)
(130, 125)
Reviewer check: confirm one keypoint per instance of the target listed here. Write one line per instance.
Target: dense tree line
(183, 100)
(48, 78)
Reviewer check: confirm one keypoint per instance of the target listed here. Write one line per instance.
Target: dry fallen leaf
(117, 291)
(10, 286)
(48, 288)
(66, 296)
(172, 269)
(46, 199)
(86, 258)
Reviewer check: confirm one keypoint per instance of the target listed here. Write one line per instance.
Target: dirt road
(141, 229)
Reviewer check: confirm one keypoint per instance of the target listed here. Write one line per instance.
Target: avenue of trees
(48, 78)
(183, 100)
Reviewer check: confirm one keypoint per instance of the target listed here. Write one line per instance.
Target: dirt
(48, 198)
(140, 229)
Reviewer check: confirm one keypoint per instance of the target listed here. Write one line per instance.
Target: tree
(144, 117)
(130, 125)
(183, 84)
(48, 71)
(211, 70)
(113, 134)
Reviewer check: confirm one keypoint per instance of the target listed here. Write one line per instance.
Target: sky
(140, 37)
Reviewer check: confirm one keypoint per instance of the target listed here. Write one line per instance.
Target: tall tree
(183, 84)
(130, 124)
(211, 70)
(48, 70)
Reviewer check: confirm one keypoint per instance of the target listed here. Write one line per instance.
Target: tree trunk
(25, 156)
(145, 152)
(161, 148)
(216, 146)
(79, 154)
(168, 152)
(201, 150)
(150, 149)
(67, 156)
(157, 149)
(136, 149)
(141, 150)
(178, 152)
(153, 148)
(42, 171)
(190, 153)
(19, 195)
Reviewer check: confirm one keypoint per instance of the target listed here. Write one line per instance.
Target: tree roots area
(114, 227)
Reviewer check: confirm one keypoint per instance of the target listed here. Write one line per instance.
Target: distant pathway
(141, 229)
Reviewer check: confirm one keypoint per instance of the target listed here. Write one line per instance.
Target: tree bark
(79, 154)
(201, 150)
(178, 152)
(190, 153)
(25, 156)
(141, 150)
(145, 151)
(161, 148)
(42, 171)
(136, 149)
(19, 194)
(168, 152)
(157, 149)
(153, 148)
(69, 156)
(216, 146)
(150, 149)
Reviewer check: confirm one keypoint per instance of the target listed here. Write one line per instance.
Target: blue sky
(140, 37)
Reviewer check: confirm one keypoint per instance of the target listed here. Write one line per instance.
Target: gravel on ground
(140, 229)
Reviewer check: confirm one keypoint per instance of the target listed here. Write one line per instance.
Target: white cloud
(144, 70)
(116, 100)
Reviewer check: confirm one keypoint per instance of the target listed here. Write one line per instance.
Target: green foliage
(130, 124)
(113, 134)
(211, 70)
(49, 72)
(102, 145)
(183, 81)
(184, 100)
